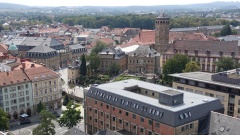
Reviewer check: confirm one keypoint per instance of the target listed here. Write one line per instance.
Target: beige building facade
(209, 84)
(47, 87)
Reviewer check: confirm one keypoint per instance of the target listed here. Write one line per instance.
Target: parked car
(56, 114)
(25, 121)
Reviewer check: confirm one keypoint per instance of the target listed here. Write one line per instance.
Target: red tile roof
(40, 73)
(148, 37)
(13, 77)
(3, 48)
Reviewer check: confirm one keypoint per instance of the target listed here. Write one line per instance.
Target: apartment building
(46, 84)
(145, 108)
(16, 93)
(109, 56)
(223, 85)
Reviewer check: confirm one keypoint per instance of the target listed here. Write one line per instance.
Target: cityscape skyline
(54, 3)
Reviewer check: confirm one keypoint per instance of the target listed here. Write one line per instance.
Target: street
(27, 129)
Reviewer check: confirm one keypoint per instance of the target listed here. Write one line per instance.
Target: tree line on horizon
(139, 21)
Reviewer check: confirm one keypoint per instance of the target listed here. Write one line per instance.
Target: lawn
(123, 77)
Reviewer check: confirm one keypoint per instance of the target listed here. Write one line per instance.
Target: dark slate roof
(163, 17)
(230, 38)
(195, 106)
(221, 124)
(144, 51)
(74, 131)
(196, 28)
(215, 47)
(115, 50)
(77, 46)
(41, 51)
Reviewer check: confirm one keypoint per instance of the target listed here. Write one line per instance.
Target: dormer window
(221, 54)
(233, 54)
(196, 52)
(186, 51)
(208, 53)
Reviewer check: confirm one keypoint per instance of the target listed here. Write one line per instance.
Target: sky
(106, 2)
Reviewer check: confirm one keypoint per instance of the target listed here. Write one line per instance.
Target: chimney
(7, 73)
(149, 54)
(23, 65)
(32, 65)
(170, 97)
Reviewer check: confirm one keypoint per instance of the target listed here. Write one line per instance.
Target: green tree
(226, 31)
(99, 47)
(66, 100)
(4, 121)
(174, 65)
(94, 62)
(225, 63)
(192, 67)
(71, 116)
(46, 127)
(83, 66)
(113, 69)
(40, 107)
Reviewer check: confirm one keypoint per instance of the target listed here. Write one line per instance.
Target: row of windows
(140, 61)
(130, 104)
(187, 127)
(126, 114)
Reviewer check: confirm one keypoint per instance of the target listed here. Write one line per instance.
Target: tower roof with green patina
(12, 47)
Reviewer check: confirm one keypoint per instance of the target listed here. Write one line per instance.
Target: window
(107, 115)
(182, 129)
(157, 125)
(146, 92)
(150, 122)
(191, 125)
(95, 102)
(7, 103)
(90, 118)
(101, 113)
(5, 90)
(134, 116)
(141, 130)
(153, 94)
(96, 120)
(26, 86)
(90, 109)
(101, 122)
(120, 112)
(142, 119)
(120, 121)
(6, 97)
(149, 133)
(107, 106)
(113, 118)
(27, 92)
(113, 108)
(101, 104)
(126, 113)
(134, 126)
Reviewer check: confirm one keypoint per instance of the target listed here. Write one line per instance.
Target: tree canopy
(226, 31)
(192, 67)
(225, 63)
(174, 65)
(46, 127)
(66, 100)
(94, 62)
(99, 47)
(4, 121)
(71, 116)
(40, 107)
(113, 69)
(83, 66)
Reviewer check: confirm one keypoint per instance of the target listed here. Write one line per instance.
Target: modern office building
(223, 85)
(147, 109)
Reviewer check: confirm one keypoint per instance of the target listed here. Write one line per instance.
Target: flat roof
(191, 102)
(203, 77)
